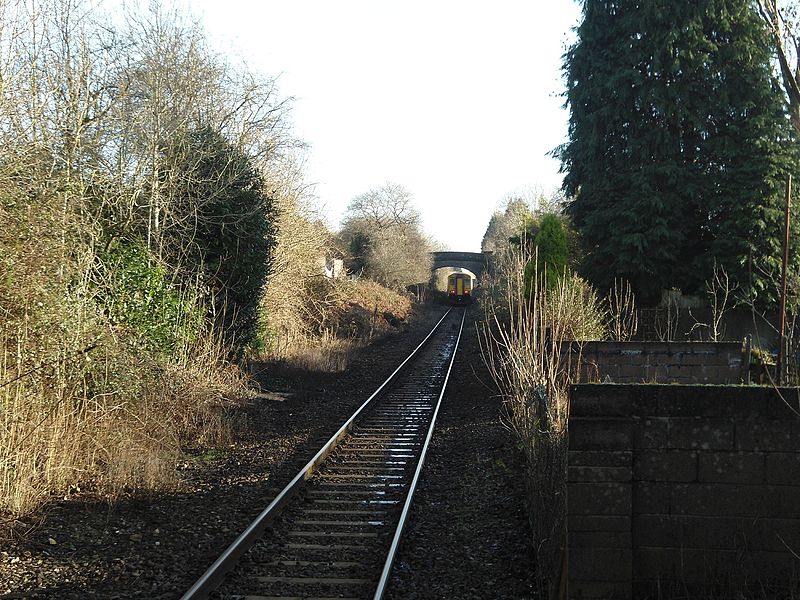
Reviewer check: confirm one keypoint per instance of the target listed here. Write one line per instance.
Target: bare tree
(400, 257)
(516, 213)
(382, 231)
(96, 104)
(783, 25)
(383, 208)
(506, 223)
(54, 89)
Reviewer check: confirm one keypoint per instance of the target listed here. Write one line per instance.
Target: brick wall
(697, 484)
(659, 362)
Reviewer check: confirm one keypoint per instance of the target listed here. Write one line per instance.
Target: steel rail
(215, 574)
(387, 567)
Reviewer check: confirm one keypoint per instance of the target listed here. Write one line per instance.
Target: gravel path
(467, 538)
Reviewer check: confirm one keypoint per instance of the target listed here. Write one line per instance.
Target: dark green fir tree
(551, 249)
(678, 144)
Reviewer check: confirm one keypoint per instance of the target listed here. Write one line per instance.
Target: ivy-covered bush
(134, 291)
(223, 232)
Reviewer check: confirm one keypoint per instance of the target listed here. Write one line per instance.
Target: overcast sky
(458, 101)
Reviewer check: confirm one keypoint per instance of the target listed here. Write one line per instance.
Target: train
(459, 288)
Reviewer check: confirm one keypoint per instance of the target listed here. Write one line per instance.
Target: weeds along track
(334, 530)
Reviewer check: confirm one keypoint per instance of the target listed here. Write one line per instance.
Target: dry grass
(327, 355)
(198, 392)
(322, 323)
(110, 420)
(291, 294)
(521, 344)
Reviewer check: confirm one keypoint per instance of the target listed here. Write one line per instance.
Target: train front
(459, 288)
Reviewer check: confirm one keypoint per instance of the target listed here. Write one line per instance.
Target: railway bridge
(475, 262)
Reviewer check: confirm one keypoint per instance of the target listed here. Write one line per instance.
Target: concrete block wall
(695, 484)
(658, 362)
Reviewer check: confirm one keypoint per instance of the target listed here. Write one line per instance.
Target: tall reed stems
(521, 345)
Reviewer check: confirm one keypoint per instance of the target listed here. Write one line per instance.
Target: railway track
(334, 530)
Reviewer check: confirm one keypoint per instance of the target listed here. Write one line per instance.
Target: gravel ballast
(468, 536)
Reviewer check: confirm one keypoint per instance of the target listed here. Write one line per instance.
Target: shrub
(574, 303)
(105, 367)
(224, 231)
(134, 291)
(338, 315)
(550, 260)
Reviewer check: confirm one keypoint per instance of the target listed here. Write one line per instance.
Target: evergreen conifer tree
(678, 143)
(551, 249)
(548, 241)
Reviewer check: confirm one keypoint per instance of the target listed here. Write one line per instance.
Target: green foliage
(230, 230)
(135, 292)
(531, 272)
(545, 237)
(678, 143)
(551, 249)
(528, 229)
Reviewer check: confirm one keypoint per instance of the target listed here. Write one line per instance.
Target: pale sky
(458, 101)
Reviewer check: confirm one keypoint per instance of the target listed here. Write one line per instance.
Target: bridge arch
(476, 262)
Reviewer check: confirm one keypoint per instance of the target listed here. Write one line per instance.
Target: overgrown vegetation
(506, 224)
(339, 318)
(528, 316)
(311, 320)
(138, 177)
(521, 340)
(155, 233)
(226, 237)
(679, 144)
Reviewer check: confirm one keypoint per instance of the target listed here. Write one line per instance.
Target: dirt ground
(467, 538)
